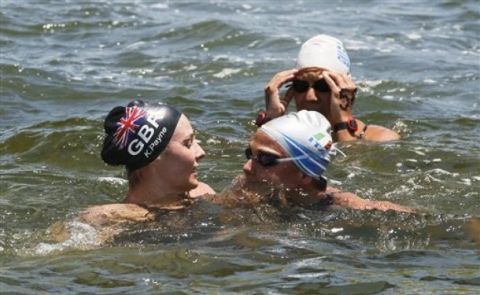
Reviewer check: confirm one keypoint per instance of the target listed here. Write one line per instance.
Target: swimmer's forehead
(263, 142)
(183, 130)
(309, 73)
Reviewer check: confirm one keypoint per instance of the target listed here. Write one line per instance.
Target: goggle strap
(292, 158)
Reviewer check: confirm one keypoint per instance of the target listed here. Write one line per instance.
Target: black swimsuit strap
(160, 211)
(153, 210)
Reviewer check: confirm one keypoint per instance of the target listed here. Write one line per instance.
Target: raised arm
(344, 125)
(275, 105)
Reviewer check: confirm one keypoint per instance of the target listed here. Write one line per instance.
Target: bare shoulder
(380, 133)
(238, 195)
(350, 200)
(201, 189)
(473, 226)
(115, 213)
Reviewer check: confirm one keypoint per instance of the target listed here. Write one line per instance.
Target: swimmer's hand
(276, 106)
(343, 92)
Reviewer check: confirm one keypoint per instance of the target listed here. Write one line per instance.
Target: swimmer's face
(311, 91)
(178, 164)
(282, 174)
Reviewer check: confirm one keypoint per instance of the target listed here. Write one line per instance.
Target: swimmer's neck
(306, 196)
(157, 197)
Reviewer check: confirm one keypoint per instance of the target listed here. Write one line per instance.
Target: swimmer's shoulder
(201, 189)
(379, 133)
(115, 213)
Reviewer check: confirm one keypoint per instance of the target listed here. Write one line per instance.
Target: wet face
(282, 174)
(177, 165)
(311, 91)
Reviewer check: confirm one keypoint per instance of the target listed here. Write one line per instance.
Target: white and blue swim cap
(326, 52)
(305, 136)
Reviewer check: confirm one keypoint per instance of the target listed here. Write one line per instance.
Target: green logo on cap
(319, 136)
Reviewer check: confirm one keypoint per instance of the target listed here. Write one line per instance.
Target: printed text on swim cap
(145, 134)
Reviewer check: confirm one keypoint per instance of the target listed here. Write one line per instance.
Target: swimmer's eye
(189, 142)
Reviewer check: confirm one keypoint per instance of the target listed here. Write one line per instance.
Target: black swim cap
(138, 133)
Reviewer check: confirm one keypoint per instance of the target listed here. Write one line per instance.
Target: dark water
(65, 64)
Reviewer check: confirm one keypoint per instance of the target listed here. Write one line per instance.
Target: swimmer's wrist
(349, 125)
(345, 117)
(269, 91)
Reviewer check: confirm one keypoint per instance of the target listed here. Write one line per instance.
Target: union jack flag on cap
(133, 119)
(137, 134)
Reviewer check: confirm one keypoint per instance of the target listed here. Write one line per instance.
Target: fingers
(342, 93)
(275, 105)
(338, 82)
(281, 78)
(332, 81)
(288, 97)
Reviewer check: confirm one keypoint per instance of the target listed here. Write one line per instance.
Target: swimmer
(286, 160)
(156, 144)
(321, 82)
(474, 229)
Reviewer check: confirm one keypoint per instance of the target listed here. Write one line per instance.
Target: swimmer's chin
(193, 183)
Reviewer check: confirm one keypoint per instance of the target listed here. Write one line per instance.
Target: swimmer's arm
(276, 106)
(114, 213)
(353, 201)
(341, 112)
(373, 133)
(285, 100)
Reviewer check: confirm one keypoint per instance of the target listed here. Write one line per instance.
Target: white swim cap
(324, 52)
(305, 136)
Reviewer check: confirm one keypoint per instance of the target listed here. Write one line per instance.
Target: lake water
(65, 64)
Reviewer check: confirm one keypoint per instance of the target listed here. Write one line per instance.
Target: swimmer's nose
(199, 152)
(310, 95)
(247, 167)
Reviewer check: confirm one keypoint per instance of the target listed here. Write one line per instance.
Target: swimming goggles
(266, 159)
(319, 85)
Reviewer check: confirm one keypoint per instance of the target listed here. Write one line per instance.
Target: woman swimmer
(287, 158)
(157, 146)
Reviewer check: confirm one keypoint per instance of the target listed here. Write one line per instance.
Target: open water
(65, 64)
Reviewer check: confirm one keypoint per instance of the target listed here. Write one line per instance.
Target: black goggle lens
(302, 85)
(261, 158)
(321, 86)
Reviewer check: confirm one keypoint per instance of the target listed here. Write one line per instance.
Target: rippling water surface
(65, 64)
